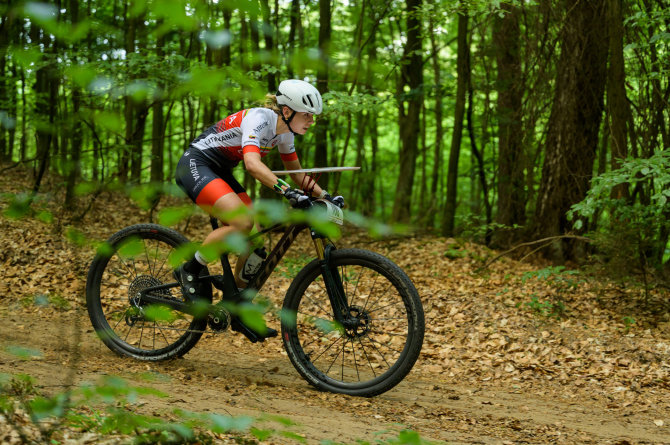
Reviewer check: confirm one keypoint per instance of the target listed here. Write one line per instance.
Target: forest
(520, 148)
(500, 121)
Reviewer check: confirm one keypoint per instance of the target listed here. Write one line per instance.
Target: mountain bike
(351, 321)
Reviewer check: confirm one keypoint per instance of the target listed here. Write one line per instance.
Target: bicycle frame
(226, 282)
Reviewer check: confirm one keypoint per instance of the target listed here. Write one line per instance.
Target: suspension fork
(331, 278)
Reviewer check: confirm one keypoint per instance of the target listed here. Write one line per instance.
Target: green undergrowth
(112, 409)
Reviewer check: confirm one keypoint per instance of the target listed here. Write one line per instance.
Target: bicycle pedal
(237, 326)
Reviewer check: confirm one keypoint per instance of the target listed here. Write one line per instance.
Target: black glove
(337, 200)
(297, 198)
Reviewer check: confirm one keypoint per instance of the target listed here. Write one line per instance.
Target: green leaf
(252, 316)
(294, 436)
(45, 217)
(279, 419)
(75, 236)
(156, 312)
(664, 36)
(327, 326)
(101, 85)
(109, 121)
(22, 352)
(81, 75)
(19, 206)
(85, 188)
(183, 431)
(131, 248)
(223, 424)
(43, 408)
(217, 39)
(408, 437)
(25, 57)
(261, 435)
(7, 121)
(183, 253)
(40, 12)
(173, 215)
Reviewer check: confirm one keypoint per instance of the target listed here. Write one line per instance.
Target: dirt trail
(499, 365)
(227, 375)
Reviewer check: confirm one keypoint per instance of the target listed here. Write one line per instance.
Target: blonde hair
(270, 102)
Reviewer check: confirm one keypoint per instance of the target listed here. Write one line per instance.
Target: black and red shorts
(204, 181)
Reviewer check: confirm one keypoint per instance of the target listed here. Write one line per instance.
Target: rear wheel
(379, 344)
(134, 259)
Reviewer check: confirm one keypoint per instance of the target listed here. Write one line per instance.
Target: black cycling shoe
(191, 285)
(253, 336)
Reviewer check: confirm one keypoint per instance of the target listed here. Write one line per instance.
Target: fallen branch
(547, 241)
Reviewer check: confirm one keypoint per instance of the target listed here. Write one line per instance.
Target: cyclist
(204, 172)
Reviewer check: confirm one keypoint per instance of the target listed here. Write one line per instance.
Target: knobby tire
(134, 258)
(366, 360)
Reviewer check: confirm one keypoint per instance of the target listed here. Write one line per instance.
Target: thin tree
(321, 130)
(409, 111)
(463, 73)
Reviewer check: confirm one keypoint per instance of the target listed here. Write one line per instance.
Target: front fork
(332, 279)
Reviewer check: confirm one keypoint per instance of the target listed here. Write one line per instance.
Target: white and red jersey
(251, 130)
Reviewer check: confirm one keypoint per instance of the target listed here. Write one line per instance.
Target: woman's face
(301, 122)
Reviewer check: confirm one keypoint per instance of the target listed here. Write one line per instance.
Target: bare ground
(493, 370)
(225, 374)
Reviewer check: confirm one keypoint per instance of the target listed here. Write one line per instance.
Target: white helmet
(299, 96)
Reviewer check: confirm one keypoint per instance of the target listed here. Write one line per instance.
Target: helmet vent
(307, 98)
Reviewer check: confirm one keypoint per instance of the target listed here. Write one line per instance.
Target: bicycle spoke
(318, 305)
(334, 359)
(139, 343)
(353, 351)
(141, 261)
(391, 319)
(378, 351)
(358, 280)
(344, 343)
(389, 333)
(375, 345)
(326, 350)
(367, 357)
(384, 307)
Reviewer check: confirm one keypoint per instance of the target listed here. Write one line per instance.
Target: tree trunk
(74, 165)
(409, 112)
(509, 84)
(158, 126)
(437, 152)
(321, 129)
(369, 171)
(45, 107)
(617, 105)
(463, 72)
(6, 26)
(572, 138)
(269, 40)
(294, 25)
(129, 104)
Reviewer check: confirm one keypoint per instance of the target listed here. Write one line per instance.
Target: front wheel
(382, 338)
(133, 259)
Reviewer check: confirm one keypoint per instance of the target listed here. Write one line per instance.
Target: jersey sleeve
(252, 127)
(286, 148)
